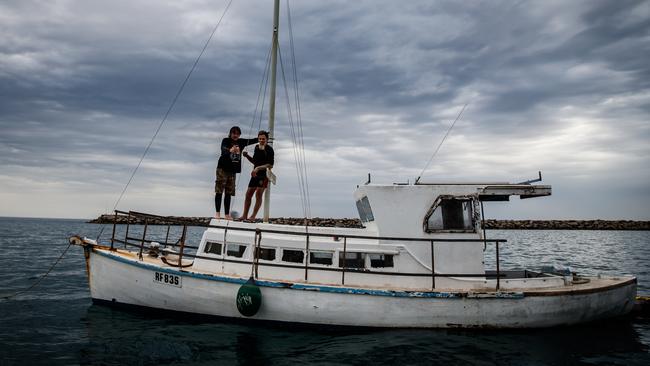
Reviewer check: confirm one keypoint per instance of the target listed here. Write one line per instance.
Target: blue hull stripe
(306, 287)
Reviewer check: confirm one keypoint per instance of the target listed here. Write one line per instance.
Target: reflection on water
(126, 337)
(58, 325)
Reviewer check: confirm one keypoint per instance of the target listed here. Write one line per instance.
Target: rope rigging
(144, 154)
(297, 147)
(171, 107)
(441, 142)
(298, 109)
(294, 118)
(261, 96)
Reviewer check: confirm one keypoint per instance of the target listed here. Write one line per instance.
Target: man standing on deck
(263, 158)
(227, 168)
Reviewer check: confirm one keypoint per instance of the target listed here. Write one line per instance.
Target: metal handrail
(274, 231)
(331, 269)
(257, 243)
(384, 238)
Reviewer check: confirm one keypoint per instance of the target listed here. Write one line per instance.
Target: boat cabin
(430, 210)
(409, 233)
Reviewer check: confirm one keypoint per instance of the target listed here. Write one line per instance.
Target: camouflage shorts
(225, 182)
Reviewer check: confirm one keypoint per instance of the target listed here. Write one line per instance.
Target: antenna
(441, 142)
(538, 179)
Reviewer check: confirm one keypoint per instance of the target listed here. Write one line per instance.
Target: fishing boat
(418, 262)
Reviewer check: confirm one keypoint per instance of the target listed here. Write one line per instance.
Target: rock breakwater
(567, 225)
(356, 223)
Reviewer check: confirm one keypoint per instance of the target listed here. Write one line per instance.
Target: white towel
(270, 175)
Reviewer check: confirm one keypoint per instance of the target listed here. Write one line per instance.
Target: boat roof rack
(502, 192)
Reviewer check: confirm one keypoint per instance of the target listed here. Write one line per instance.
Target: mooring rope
(7, 297)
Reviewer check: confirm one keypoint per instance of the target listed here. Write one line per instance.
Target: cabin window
(365, 212)
(352, 260)
(214, 248)
(321, 258)
(381, 260)
(235, 250)
(268, 254)
(451, 213)
(293, 256)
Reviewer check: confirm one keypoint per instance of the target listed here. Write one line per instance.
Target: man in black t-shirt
(263, 158)
(227, 168)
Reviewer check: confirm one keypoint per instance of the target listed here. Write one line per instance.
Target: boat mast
(274, 61)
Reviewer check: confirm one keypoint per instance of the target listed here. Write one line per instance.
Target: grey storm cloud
(562, 87)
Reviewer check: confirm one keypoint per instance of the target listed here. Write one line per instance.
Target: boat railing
(139, 218)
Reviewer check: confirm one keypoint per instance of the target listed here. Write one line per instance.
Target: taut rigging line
(441, 142)
(171, 106)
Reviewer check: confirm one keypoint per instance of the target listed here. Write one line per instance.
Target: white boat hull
(122, 280)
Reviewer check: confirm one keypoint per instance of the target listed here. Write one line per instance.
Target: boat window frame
(258, 250)
(208, 243)
(293, 250)
(331, 253)
(361, 254)
(392, 260)
(475, 213)
(243, 255)
(364, 209)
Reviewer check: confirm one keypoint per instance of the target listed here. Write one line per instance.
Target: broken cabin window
(293, 256)
(214, 248)
(235, 250)
(352, 260)
(454, 214)
(365, 212)
(381, 260)
(268, 254)
(321, 258)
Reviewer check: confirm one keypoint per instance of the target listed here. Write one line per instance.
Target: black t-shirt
(262, 157)
(232, 162)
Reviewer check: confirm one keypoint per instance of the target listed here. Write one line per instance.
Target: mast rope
(441, 142)
(296, 144)
(298, 109)
(295, 124)
(171, 106)
(261, 96)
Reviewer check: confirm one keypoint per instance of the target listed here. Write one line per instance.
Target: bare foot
(228, 217)
(217, 215)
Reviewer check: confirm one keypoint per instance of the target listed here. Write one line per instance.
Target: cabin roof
(486, 191)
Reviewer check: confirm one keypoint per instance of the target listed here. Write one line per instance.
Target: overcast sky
(557, 86)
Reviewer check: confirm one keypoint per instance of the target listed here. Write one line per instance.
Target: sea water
(57, 324)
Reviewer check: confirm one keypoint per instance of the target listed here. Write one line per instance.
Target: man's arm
(247, 156)
(249, 141)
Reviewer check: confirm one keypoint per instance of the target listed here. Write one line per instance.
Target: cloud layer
(553, 86)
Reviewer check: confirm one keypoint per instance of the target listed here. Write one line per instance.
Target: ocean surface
(57, 324)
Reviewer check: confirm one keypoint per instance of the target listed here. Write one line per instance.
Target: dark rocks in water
(356, 223)
(204, 221)
(567, 225)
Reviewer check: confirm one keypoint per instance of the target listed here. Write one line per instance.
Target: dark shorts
(258, 182)
(225, 182)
